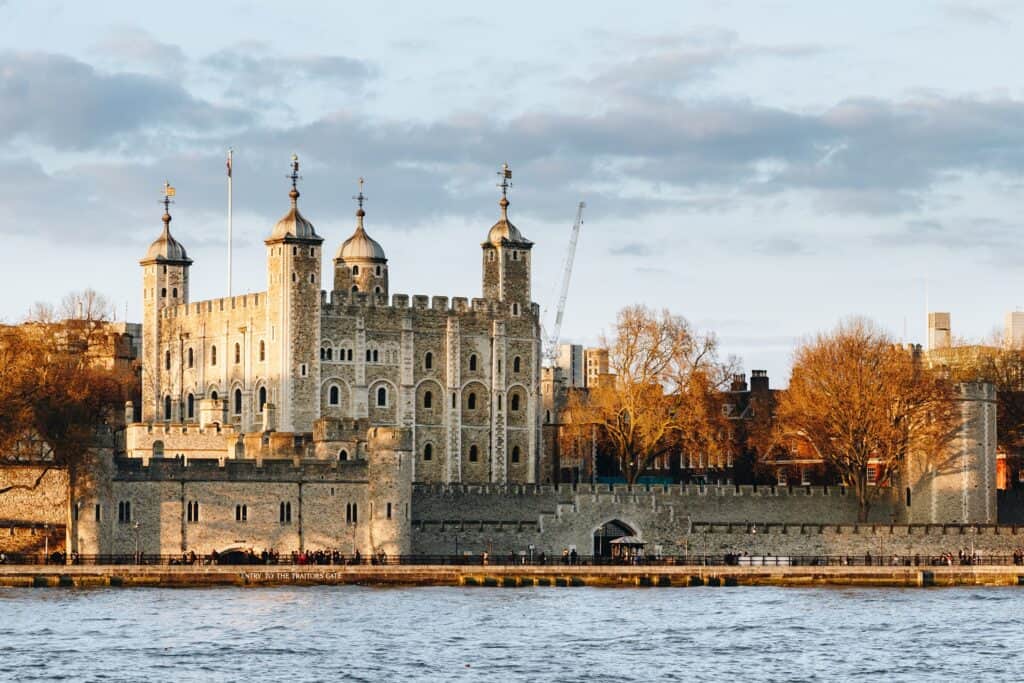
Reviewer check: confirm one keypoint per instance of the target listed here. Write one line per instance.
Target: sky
(764, 169)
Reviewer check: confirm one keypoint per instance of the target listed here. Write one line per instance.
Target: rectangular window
(192, 511)
(241, 513)
(99, 516)
(389, 511)
(124, 512)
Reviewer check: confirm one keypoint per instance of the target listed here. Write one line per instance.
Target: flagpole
(230, 152)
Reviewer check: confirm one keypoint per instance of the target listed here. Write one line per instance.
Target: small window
(471, 401)
(285, 513)
(238, 402)
(303, 370)
(428, 361)
(472, 362)
(453, 399)
(369, 355)
(428, 400)
(213, 395)
(311, 278)
(474, 454)
(262, 400)
(238, 353)
(191, 358)
(355, 271)
(378, 271)
(158, 449)
(378, 290)
(312, 252)
(389, 511)
(517, 364)
(174, 292)
(514, 402)
(376, 357)
(124, 512)
(515, 454)
(333, 396)
(192, 510)
(163, 292)
(98, 511)
(343, 455)
(355, 288)
(355, 513)
(241, 513)
(515, 309)
(515, 255)
(350, 354)
(382, 397)
(167, 407)
(190, 406)
(213, 355)
(428, 452)
(167, 360)
(295, 277)
(263, 350)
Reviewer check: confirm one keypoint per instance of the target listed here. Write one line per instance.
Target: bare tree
(662, 396)
(859, 401)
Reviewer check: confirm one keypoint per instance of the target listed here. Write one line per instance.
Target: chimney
(759, 381)
(739, 382)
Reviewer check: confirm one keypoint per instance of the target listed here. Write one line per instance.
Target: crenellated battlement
(251, 301)
(337, 303)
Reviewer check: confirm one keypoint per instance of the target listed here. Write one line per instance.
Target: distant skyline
(764, 169)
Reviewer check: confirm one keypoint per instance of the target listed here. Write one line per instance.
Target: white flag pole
(230, 153)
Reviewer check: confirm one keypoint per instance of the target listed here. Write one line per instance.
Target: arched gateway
(608, 532)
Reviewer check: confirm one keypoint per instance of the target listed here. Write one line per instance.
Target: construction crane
(551, 352)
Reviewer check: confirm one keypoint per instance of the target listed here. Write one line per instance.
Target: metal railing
(335, 558)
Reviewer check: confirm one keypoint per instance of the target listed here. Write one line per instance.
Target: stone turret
(360, 264)
(506, 258)
(389, 452)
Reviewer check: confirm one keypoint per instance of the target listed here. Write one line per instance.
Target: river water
(503, 634)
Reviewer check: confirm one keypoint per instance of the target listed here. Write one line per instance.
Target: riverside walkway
(498, 575)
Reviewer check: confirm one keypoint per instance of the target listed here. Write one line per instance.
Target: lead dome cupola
(293, 225)
(165, 248)
(360, 246)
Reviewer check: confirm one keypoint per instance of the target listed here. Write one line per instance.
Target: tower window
(167, 407)
(241, 513)
(295, 251)
(515, 255)
(311, 278)
(213, 355)
(514, 402)
(516, 364)
(192, 511)
(515, 454)
(167, 360)
(191, 358)
(213, 395)
(262, 398)
(355, 270)
(354, 288)
(472, 362)
(428, 361)
(474, 453)
(311, 252)
(263, 351)
(285, 513)
(350, 354)
(369, 355)
(190, 406)
(428, 452)
(471, 401)
(382, 397)
(389, 511)
(343, 455)
(124, 512)
(163, 292)
(428, 399)
(515, 309)
(238, 353)
(375, 356)
(174, 292)
(378, 290)
(303, 370)
(333, 396)
(295, 278)
(238, 402)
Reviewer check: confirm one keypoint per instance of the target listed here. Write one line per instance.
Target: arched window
(369, 355)
(167, 407)
(428, 399)
(163, 292)
(471, 401)
(213, 395)
(378, 290)
(191, 358)
(333, 396)
(514, 402)
(238, 353)
(263, 350)
(350, 354)
(174, 292)
(355, 270)
(190, 406)
(167, 360)
(375, 356)
(474, 454)
(355, 288)
(343, 455)
(428, 452)
(472, 362)
(262, 398)
(382, 397)
(158, 449)
(378, 271)
(516, 364)
(213, 355)
(515, 454)
(238, 401)
(515, 309)
(428, 360)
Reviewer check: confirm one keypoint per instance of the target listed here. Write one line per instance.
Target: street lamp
(135, 528)
(46, 544)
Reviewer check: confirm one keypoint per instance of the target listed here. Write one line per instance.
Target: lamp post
(135, 528)
(46, 544)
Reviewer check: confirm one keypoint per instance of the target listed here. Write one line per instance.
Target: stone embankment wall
(31, 520)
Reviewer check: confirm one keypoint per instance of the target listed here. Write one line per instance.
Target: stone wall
(46, 504)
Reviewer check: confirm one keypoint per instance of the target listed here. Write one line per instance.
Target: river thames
(526, 634)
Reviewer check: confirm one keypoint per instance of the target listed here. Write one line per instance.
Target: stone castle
(299, 419)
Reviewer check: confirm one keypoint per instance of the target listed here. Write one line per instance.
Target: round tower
(389, 455)
(360, 264)
(506, 257)
(165, 274)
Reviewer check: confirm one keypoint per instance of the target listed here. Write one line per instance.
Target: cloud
(135, 47)
(778, 246)
(60, 102)
(631, 249)
(954, 234)
(973, 14)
